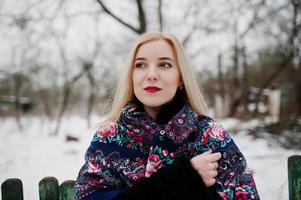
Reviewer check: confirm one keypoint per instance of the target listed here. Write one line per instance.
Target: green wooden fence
(294, 177)
(49, 188)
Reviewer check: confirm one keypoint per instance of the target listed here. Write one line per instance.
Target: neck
(152, 111)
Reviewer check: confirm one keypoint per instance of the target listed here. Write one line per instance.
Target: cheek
(173, 80)
(137, 79)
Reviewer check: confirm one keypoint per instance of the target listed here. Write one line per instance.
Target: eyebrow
(139, 58)
(166, 58)
(161, 58)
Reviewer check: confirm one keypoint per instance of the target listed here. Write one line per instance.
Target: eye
(165, 65)
(140, 65)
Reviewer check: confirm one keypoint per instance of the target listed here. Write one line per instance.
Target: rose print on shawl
(135, 138)
(108, 129)
(95, 175)
(224, 194)
(215, 132)
(233, 180)
(159, 157)
(153, 164)
(241, 193)
(93, 167)
(130, 170)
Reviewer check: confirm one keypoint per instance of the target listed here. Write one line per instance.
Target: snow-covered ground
(32, 154)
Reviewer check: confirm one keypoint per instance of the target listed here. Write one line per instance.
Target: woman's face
(156, 75)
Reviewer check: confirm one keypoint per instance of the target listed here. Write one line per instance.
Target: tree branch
(106, 10)
(142, 18)
(256, 20)
(160, 15)
(291, 46)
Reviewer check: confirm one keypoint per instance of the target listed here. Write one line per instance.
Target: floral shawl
(136, 147)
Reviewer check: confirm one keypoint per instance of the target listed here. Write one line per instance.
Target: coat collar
(178, 127)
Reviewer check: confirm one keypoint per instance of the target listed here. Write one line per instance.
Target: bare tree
(67, 90)
(141, 17)
(240, 83)
(293, 41)
(160, 15)
(92, 92)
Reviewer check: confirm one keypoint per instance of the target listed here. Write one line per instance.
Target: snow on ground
(32, 155)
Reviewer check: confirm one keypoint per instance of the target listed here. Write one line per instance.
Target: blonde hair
(124, 92)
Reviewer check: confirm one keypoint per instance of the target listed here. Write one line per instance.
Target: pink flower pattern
(105, 155)
(153, 164)
(107, 129)
(215, 131)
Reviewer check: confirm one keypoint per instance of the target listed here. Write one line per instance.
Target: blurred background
(61, 60)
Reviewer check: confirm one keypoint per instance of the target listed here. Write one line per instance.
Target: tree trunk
(92, 87)
(18, 81)
(66, 97)
(66, 94)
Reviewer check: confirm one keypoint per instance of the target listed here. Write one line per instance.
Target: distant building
(8, 104)
(280, 101)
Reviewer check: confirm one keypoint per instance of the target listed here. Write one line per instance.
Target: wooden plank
(67, 190)
(49, 188)
(294, 177)
(12, 189)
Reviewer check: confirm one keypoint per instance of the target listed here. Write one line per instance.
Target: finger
(207, 152)
(214, 165)
(210, 182)
(213, 174)
(215, 157)
(203, 155)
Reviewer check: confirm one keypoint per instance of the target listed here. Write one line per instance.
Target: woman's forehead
(155, 49)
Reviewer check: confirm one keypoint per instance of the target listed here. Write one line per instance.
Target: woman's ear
(181, 82)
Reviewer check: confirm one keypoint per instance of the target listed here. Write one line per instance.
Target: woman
(157, 142)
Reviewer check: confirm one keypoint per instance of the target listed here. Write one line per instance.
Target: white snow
(31, 154)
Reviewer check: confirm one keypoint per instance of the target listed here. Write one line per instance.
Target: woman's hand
(206, 164)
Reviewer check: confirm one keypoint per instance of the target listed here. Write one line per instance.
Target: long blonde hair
(124, 92)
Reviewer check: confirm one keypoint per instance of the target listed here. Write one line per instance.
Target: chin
(154, 103)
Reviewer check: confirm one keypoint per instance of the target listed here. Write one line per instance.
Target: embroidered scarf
(136, 147)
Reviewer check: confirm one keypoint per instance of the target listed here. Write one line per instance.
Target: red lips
(152, 89)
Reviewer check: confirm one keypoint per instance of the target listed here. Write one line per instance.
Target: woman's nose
(152, 73)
